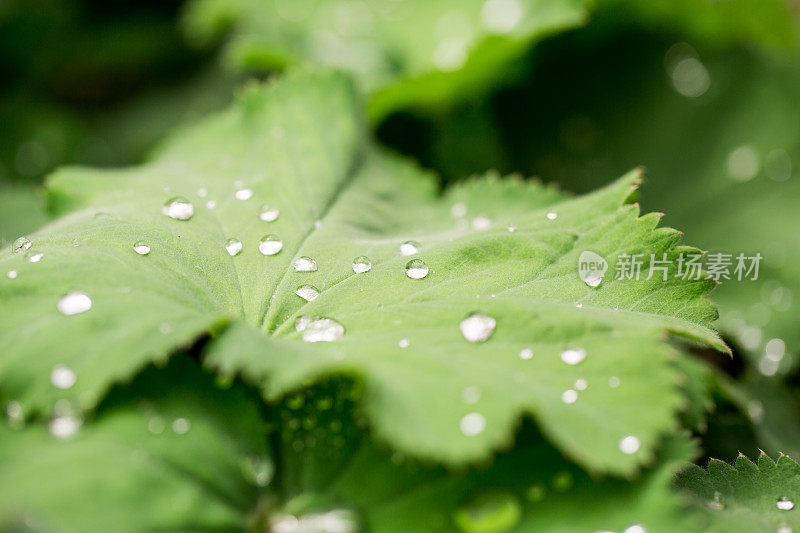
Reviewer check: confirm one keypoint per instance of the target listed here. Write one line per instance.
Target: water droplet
(581, 384)
(268, 214)
(573, 357)
(404, 343)
(416, 269)
(141, 248)
(74, 302)
(302, 323)
(743, 163)
(775, 349)
(15, 414)
(409, 248)
(593, 279)
(526, 353)
(34, 257)
(62, 377)
(552, 216)
(579, 305)
(233, 247)
(569, 396)
(716, 504)
(629, 445)
(334, 521)
(636, 528)
(211, 204)
(270, 245)
(259, 470)
(472, 424)
(458, 210)
(778, 165)
(202, 192)
(784, 504)
(307, 292)
(478, 327)
(481, 223)
(361, 264)
(181, 426)
(64, 427)
(471, 395)
(244, 194)
(178, 208)
(613, 382)
(156, 425)
(319, 329)
(490, 511)
(12, 274)
(512, 229)
(305, 264)
(21, 245)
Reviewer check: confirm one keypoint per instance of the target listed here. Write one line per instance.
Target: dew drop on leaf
(320, 330)
(593, 279)
(181, 426)
(404, 343)
(492, 511)
(21, 245)
(34, 257)
(569, 396)
(361, 264)
(333, 521)
(268, 214)
(471, 395)
(478, 327)
(15, 414)
(784, 504)
(481, 223)
(472, 424)
(305, 264)
(270, 245)
(62, 377)
(244, 194)
(552, 215)
(416, 269)
(178, 208)
(526, 353)
(629, 445)
(308, 293)
(141, 248)
(64, 426)
(573, 356)
(409, 248)
(12, 274)
(636, 528)
(74, 302)
(233, 247)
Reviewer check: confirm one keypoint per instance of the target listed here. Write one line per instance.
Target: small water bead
(573, 356)
(12, 274)
(512, 229)
(458, 210)
(305, 264)
(178, 208)
(64, 426)
(156, 425)
(34, 257)
(74, 303)
(320, 330)
(471, 395)
(334, 521)
(211, 204)
(268, 214)
(569, 396)
(716, 504)
(636, 528)
(552, 216)
(481, 223)
(629, 445)
(62, 377)
(181, 426)
(244, 194)
(784, 529)
(478, 327)
(302, 323)
(15, 414)
(593, 279)
(579, 305)
(362, 264)
(308, 293)
(22, 245)
(202, 192)
(526, 353)
(270, 245)
(409, 248)
(141, 248)
(784, 504)
(404, 343)
(581, 384)
(613, 382)
(259, 470)
(416, 269)
(491, 511)
(472, 424)
(233, 247)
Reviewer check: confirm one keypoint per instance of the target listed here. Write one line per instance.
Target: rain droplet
(34, 257)
(178, 208)
(22, 245)
(181, 426)
(141, 248)
(307, 292)
(784, 504)
(552, 216)
(74, 302)
(361, 264)
(11, 274)
(321, 330)
(270, 245)
(478, 327)
(233, 247)
(629, 445)
(64, 427)
(573, 357)
(305, 264)
(526, 353)
(409, 248)
(416, 269)
(244, 194)
(490, 511)
(62, 377)
(472, 424)
(569, 396)
(268, 214)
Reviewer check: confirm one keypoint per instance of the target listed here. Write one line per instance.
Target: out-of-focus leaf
(21, 211)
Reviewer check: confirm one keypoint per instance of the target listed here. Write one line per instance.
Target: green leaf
(169, 452)
(414, 53)
(21, 212)
(746, 496)
(299, 145)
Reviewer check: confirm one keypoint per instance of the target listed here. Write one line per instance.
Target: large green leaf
(299, 146)
(406, 53)
(747, 496)
(21, 211)
(170, 452)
